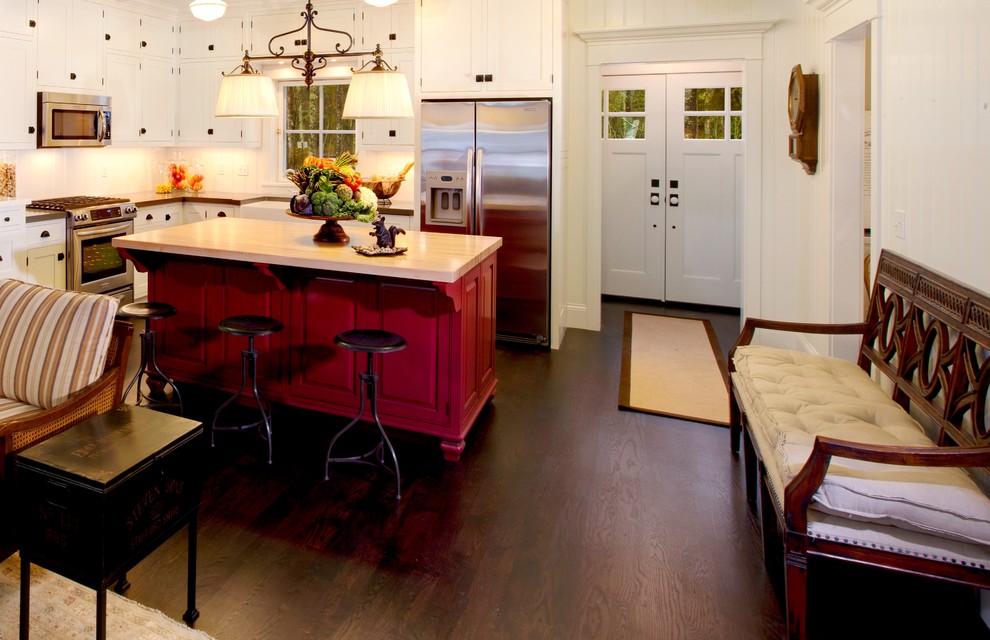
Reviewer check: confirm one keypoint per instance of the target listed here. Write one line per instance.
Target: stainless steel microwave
(73, 120)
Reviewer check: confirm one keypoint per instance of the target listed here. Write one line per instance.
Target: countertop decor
(330, 190)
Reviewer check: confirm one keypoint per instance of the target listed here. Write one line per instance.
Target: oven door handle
(104, 230)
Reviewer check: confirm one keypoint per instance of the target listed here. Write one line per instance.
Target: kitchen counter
(434, 257)
(439, 296)
(150, 198)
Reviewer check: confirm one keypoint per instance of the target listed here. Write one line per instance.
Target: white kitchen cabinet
(199, 86)
(223, 38)
(392, 27)
(44, 255)
(12, 239)
(143, 92)
(486, 47)
(136, 34)
(17, 17)
(199, 211)
(19, 110)
(70, 45)
(391, 132)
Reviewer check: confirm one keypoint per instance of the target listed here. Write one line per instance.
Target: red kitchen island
(439, 295)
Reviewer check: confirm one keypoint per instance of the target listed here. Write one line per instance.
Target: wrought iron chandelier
(377, 89)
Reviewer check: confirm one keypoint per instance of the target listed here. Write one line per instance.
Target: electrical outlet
(221, 169)
(900, 224)
(242, 170)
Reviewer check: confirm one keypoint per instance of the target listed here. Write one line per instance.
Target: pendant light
(207, 10)
(378, 92)
(380, 3)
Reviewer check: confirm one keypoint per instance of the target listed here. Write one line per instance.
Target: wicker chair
(20, 431)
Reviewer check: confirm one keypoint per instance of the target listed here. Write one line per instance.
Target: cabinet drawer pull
(45, 234)
(221, 214)
(168, 216)
(149, 217)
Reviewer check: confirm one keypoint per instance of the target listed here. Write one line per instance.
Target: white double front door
(672, 181)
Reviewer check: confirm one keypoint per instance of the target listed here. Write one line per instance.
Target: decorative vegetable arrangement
(332, 188)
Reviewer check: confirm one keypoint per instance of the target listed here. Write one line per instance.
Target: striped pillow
(52, 343)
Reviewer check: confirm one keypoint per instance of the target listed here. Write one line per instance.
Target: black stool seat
(147, 310)
(254, 326)
(149, 369)
(370, 341)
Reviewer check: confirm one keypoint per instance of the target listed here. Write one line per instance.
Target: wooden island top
(432, 257)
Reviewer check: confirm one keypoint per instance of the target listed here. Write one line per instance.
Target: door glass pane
(704, 127)
(627, 128)
(625, 101)
(735, 127)
(711, 99)
(302, 108)
(735, 98)
(300, 145)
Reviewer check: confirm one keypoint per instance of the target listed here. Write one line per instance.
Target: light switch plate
(242, 170)
(900, 223)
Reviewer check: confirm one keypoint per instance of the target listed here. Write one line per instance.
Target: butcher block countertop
(433, 257)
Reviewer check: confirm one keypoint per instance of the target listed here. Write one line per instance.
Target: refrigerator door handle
(469, 193)
(479, 174)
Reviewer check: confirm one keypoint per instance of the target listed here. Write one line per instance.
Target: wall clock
(802, 111)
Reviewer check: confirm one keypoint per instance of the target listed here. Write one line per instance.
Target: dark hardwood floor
(565, 518)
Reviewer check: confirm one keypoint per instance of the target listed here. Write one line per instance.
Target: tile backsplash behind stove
(54, 173)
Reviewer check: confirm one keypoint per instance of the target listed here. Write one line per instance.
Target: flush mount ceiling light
(207, 9)
(380, 3)
(379, 92)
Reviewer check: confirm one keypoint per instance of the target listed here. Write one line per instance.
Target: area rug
(674, 367)
(64, 610)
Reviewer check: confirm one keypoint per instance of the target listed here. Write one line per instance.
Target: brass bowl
(384, 189)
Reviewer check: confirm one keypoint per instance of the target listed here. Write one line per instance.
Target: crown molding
(716, 29)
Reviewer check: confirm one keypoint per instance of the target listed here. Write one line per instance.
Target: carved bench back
(930, 335)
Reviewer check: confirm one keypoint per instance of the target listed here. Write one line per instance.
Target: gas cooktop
(74, 202)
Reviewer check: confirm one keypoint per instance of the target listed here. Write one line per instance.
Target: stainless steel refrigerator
(485, 170)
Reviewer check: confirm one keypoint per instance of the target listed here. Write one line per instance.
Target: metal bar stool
(252, 327)
(370, 341)
(150, 311)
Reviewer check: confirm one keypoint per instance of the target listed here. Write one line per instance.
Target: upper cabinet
(391, 27)
(136, 34)
(17, 17)
(19, 111)
(486, 47)
(223, 38)
(70, 38)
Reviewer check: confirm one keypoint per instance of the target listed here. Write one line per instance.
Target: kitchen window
(313, 125)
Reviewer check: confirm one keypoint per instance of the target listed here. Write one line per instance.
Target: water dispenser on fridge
(446, 199)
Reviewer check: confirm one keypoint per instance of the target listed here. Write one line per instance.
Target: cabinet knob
(143, 131)
(61, 257)
(30, 129)
(144, 43)
(209, 132)
(479, 78)
(391, 133)
(72, 76)
(45, 234)
(149, 217)
(168, 216)
(488, 77)
(391, 36)
(210, 47)
(32, 23)
(299, 43)
(106, 36)
(6, 219)
(221, 214)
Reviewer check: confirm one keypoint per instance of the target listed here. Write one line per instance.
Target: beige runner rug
(64, 610)
(673, 367)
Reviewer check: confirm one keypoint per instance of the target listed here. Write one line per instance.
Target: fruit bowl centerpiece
(387, 186)
(330, 190)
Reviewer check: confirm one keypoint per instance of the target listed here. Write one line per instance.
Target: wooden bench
(844, 470)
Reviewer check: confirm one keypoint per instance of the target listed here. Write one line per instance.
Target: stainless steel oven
(94, 265)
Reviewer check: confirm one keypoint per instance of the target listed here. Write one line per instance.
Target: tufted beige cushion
(52, 343)
(790, 397)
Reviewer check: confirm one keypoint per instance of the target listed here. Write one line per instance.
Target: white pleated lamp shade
(378, 93)
(380, 3)
(207, 10)
(247, 95)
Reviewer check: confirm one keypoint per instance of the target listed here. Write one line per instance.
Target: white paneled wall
(935, 101)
